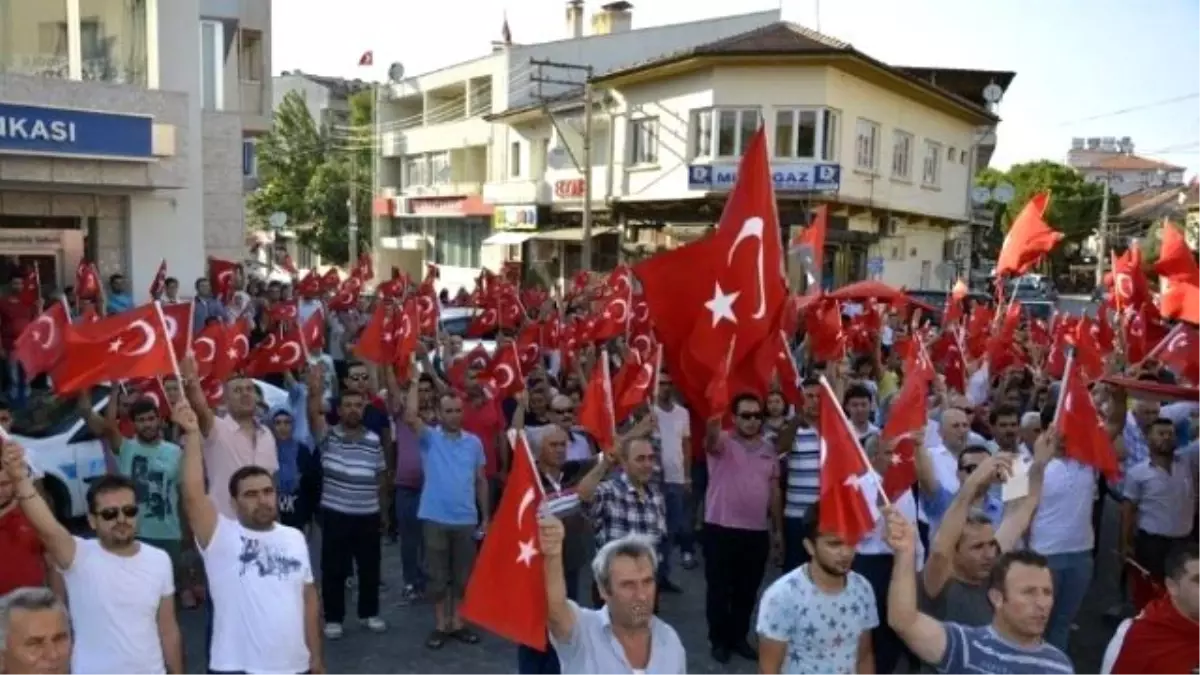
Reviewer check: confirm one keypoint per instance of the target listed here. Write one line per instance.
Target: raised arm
(1017, 518)
(560, 616)
(923, 634)
(199, 509)
(314, 405)
(59, 543)
(939, 567)
(194, 394)
(105, 427)
(412, 407)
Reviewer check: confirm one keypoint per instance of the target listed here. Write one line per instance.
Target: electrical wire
(1132, 109)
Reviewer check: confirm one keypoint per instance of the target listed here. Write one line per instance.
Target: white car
(456, 320)
(67, 456)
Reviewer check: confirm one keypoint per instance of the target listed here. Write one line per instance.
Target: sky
(1083, 67)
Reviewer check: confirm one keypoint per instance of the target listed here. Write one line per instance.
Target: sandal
(436, 639)
(465, 635)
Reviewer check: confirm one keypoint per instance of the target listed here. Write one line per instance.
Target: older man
(35, 633)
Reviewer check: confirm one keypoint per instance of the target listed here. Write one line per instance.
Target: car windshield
(458, 325)
(47, 416)
(1038, 310)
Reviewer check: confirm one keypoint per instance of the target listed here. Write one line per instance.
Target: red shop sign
(569, 189)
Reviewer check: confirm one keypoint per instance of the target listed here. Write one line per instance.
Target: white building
(126, 133)
(893, 150)
(1112, 160)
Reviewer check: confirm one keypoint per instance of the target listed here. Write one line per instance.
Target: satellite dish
(277, 220)
(1004, 193)
(992, 93)
(980, 195)
(396, 72)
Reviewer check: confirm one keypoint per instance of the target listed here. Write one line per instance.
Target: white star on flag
(115, 346)
(528, 551)
(721, 305)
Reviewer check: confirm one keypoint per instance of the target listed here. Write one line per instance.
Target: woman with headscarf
(299, 473)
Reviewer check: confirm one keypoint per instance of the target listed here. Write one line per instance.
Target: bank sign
(787, 177)
(63, 132)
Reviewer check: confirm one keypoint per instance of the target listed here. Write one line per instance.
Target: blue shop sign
(63, 132)
(788, 177)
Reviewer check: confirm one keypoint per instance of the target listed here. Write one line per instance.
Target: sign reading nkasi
(63, 132)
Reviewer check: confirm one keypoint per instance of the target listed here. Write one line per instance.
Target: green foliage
(1075, 204)
(306, 174)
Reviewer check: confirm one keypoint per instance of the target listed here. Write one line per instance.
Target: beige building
(127, 131)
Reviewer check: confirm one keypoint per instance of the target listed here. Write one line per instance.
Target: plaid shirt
(618, 509)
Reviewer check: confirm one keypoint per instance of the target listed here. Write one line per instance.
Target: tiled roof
(1148, 201)
(783, 37)
(1123, 162)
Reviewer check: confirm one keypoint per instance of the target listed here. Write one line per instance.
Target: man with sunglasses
(743, 519)
(121, 591)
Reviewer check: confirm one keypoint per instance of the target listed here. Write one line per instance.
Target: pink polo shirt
(226, 449)
(741, 475)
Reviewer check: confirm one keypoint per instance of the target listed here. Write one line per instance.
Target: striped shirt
(803, 475)
(981, 649)
(351, 472)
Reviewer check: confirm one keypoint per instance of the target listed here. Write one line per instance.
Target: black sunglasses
(110, 514)
(750, 417)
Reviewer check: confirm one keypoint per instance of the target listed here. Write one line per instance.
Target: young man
(122, 592)
(1162, 639)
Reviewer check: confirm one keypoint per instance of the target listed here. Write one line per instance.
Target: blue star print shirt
(821, 630)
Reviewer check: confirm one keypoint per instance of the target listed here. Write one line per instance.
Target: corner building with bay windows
(127, 130)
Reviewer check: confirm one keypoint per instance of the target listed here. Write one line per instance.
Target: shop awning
(508, 238)
(572, 233)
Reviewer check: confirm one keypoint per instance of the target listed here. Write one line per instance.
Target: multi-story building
(1112, 160)
(123, 125)
(893, 150)
(328, 98)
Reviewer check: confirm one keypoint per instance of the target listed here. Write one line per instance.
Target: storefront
(106, 186)
(446, 231)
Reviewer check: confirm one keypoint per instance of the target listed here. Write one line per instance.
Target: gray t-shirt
(964, 604)
(981, 650)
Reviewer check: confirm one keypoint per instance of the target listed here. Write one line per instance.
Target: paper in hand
(1017, 485)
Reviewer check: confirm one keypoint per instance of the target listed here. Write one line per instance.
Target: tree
(1075, 204)
(306, 174)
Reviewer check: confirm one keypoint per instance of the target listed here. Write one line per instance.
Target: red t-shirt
(14, 317)
(487, 422)
(22, 553)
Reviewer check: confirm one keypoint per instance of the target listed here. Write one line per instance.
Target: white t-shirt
(257, 581)
(114, 604)
(1063, 522)
(673, 427)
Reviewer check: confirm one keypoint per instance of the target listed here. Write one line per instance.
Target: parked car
(1037, 309)
(456, 321)
(67, 456)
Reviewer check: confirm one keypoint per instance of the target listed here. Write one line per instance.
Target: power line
(1133, 109)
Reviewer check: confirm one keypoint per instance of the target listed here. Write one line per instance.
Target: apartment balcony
(517, 192)
(462, 133)
(254, 107)
(460, 189)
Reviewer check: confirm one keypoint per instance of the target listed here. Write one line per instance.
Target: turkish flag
(40, 345)
(331, 280)
(309, 286)
(1028, 239)
(845, 511)
(128, 345)
(808, 247)
(87, 281)
(427, 303)
(151, 388)
(314, 332)
(1084, 436)
(284, 311)
(277, 354)
(1179, 352)
(344, 299)
(504, 372)
(908, 413)
(1130, 287)
(375, 341)
(214, 391)
(31, 287)
(222, 274)
(363, 269)
(213, 354)
(596, 414)
(638, 387)
(178, 318)
(160, 280)
(1087, 355)
(614, 318)
(506, 593)
(826, 339)
(484, 323)
(528, 346)
(1136, 347)
(954, 303)
(1179, 277)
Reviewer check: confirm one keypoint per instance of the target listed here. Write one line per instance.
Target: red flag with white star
(845, 511)
(507, 590)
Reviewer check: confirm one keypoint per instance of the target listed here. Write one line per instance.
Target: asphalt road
(402, 650)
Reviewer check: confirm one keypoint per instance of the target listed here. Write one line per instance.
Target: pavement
(401, 649)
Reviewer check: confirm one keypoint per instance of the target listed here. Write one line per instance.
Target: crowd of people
(217, 506)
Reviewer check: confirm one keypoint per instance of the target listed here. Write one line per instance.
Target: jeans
(532, 662)
(734, 563)
(679, 527)
(794, 553)
(412, 537)
(696, 503)
(18, 389)
(1072, 575)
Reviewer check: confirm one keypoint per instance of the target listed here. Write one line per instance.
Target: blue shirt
(205, 308)
(936, 507)
(118, 302)
(451, 464)
(154, 470)
(980, 649)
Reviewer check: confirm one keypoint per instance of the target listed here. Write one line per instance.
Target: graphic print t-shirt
(257, 581)
(154, 470)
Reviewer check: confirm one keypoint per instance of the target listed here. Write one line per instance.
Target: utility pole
(1102, 247)
(351, 206)
(376, 180)
(584, 165)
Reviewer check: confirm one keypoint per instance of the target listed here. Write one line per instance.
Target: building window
(249, 158)
(806, 133)
(866, 145)
(514, 160)
(251, 62)
(643, 141)
(212, 65)
(458, 240)
(416, 170)
(113, 41)
(439, 168)
(33, 38)
(701, 133)
(902, 145)
(931, 173)
(734, 129)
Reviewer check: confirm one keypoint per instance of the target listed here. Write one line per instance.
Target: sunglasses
(750, 417)
(357, 376)
(968, 468)
(110, 514)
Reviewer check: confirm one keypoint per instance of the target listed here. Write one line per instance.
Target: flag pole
(1062, 392)
(162, 322)
(658, 364)
(857, 444)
